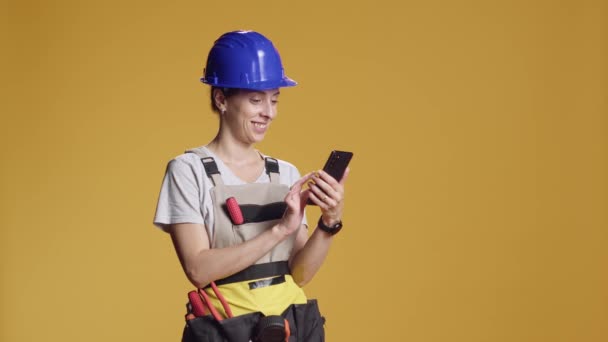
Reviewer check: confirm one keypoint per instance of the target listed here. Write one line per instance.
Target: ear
(219, 99)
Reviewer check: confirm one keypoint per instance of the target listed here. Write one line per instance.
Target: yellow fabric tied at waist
(243, 297)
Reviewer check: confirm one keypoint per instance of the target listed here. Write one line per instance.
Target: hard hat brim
(263, 85)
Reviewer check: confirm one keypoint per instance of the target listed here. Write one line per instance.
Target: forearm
(328, 194)
(310, 257)
(211, 264)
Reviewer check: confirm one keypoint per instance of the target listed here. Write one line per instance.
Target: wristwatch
(332, 230)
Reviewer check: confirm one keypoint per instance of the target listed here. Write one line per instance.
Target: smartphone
(336, 165)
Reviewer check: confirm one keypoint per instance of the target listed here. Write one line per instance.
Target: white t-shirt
(185, 193)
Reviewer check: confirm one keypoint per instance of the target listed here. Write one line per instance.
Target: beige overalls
(265, 288)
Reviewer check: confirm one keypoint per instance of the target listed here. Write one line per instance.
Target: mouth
(260, 128)
(260, 125)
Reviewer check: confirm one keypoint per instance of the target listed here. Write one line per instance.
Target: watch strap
(332, 230)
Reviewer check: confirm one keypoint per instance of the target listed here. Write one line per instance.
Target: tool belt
(299, 322)
(303, 321)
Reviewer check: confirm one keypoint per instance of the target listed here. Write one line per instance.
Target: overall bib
(263, 289)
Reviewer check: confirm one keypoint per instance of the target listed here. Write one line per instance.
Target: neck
(231, 151)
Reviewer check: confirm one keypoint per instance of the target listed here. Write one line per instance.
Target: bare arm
(309, 253)
(203, 264)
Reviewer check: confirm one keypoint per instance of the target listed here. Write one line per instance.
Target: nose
(269, 110)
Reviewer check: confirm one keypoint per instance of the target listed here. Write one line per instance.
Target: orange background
(477, 203)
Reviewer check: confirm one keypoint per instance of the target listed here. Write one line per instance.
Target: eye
(275, 101)
(255, 100)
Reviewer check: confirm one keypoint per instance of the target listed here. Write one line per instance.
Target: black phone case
(336, 165)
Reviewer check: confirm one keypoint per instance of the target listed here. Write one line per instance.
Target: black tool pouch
(305, 324)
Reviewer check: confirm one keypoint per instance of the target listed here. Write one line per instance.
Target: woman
(236, 217)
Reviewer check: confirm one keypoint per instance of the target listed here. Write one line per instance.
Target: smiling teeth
(259, 125)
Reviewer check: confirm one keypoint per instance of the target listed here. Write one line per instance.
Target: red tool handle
(205, 299)
(222, 300)
(287, 330)
(198, 308)
(234, 210)
(213, 310)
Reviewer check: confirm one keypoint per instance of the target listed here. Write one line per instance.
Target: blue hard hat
(247, 60)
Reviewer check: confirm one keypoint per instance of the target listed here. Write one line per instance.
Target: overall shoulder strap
(209, 165)
(272, 168)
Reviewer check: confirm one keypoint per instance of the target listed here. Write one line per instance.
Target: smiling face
(247, 114)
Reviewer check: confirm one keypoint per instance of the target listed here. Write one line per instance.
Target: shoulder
(185, 164)
(185, 160)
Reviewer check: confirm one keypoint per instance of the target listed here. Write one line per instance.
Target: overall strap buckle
(209, 165)
(212, 171)
(272, 169)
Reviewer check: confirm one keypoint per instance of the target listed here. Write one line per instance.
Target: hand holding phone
(336, 165)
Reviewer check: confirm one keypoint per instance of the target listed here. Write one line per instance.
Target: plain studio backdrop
(477, 203)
